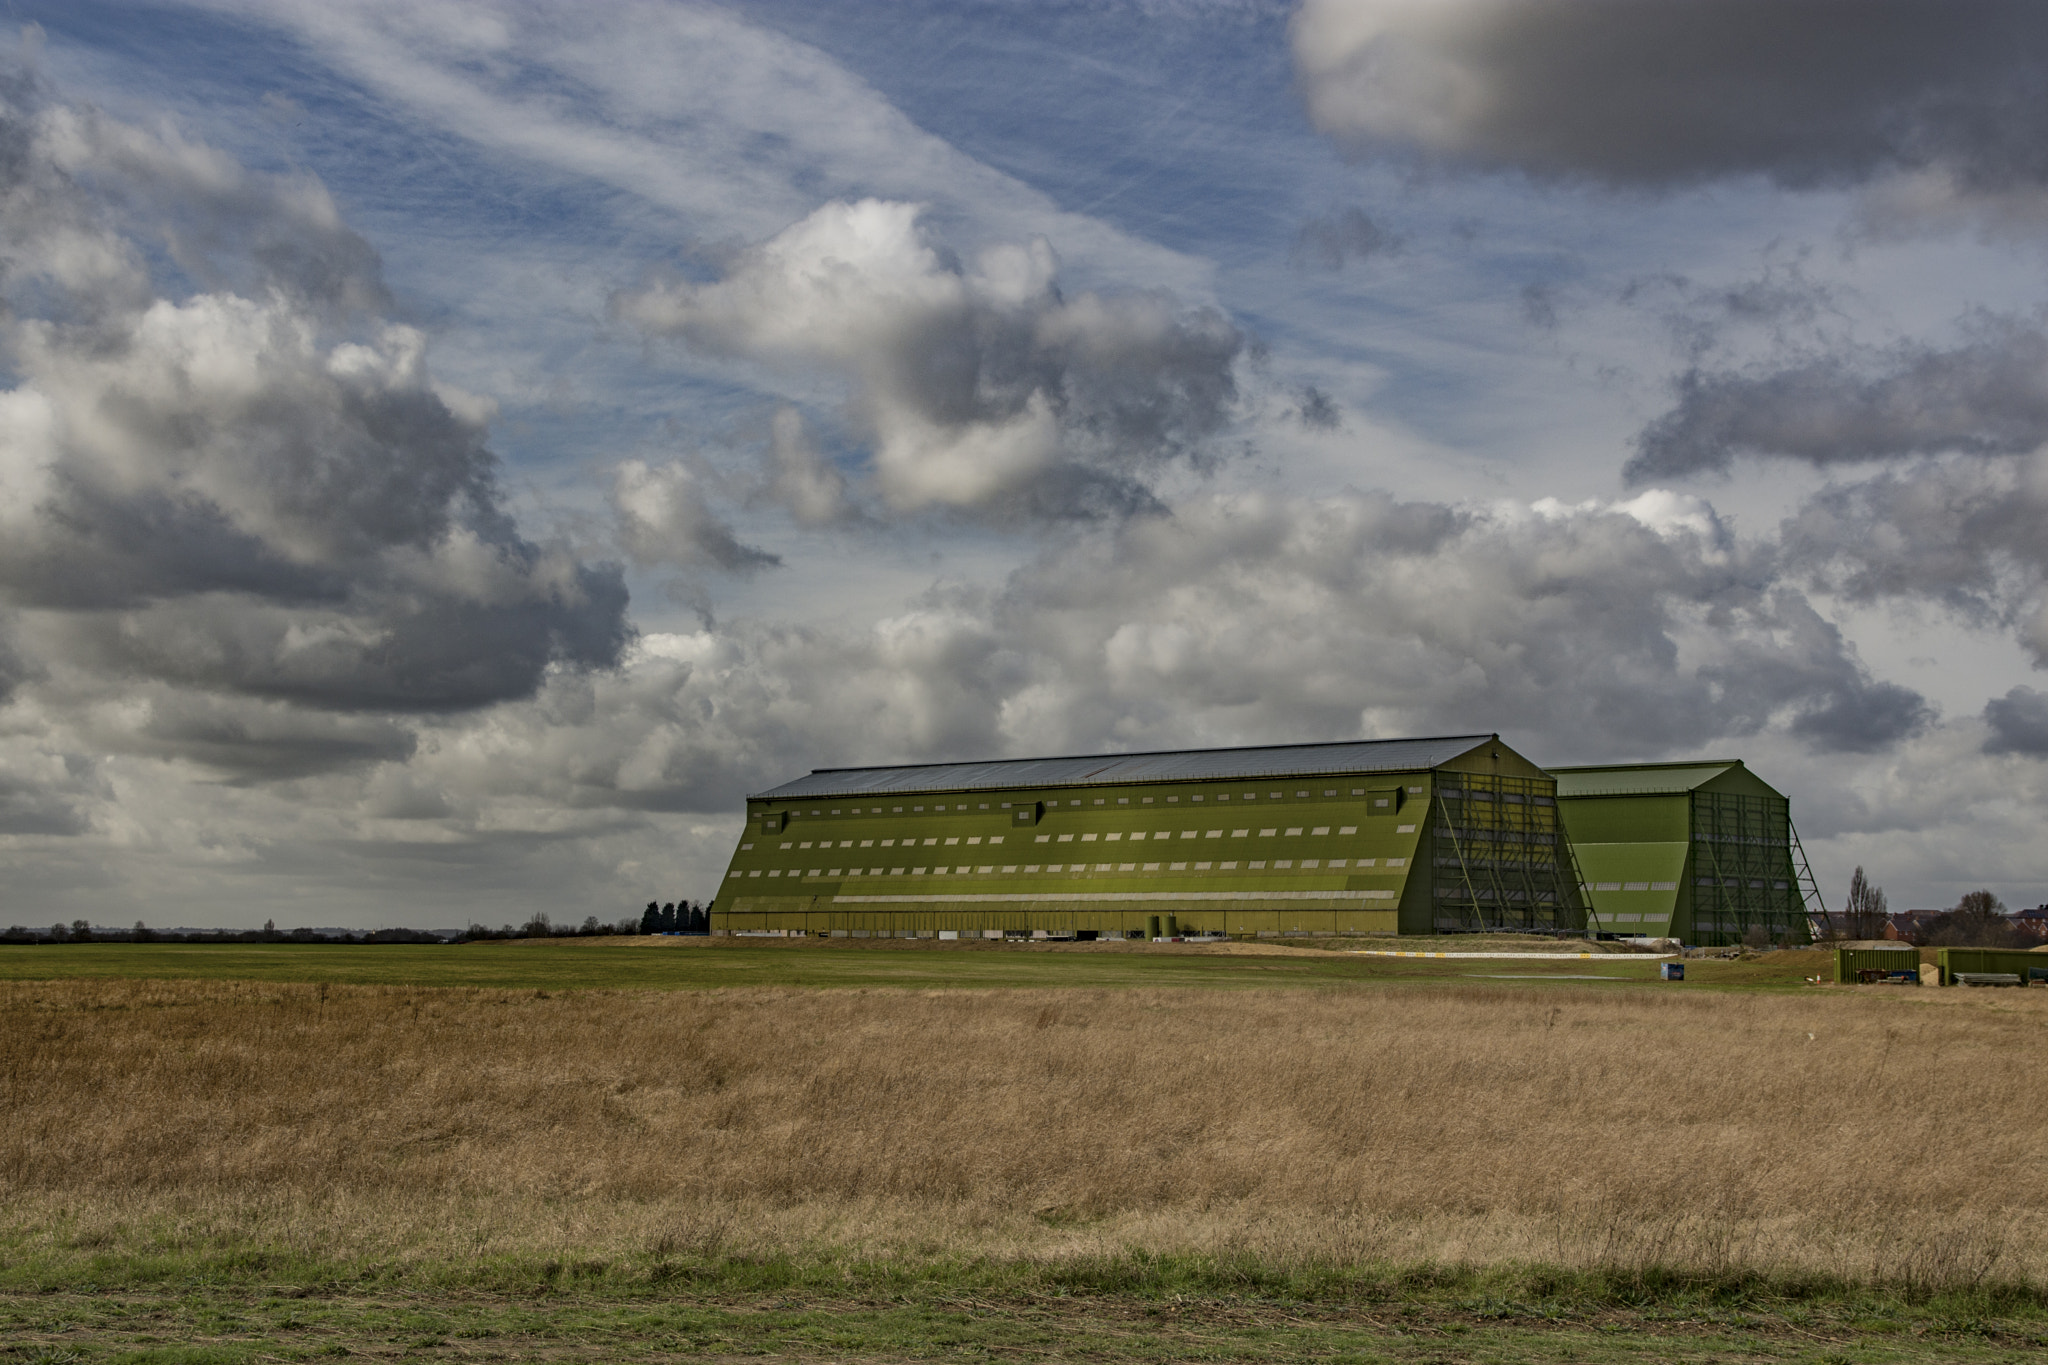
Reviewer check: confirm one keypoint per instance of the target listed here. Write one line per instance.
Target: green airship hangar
(1450, 835)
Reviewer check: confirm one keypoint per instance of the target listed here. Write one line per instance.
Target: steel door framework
(1508, 854)
(1743, 872)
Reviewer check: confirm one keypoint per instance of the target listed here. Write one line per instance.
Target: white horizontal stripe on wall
(995, 899)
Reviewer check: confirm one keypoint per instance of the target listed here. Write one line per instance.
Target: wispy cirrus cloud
(695, 108)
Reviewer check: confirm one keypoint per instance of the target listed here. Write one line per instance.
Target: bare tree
(1864, 915)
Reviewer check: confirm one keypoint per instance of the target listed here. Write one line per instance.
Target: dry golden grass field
(1875, 1137)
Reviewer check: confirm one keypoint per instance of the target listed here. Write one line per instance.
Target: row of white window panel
(1229, 866)
(1665, 914)
(1635, 886)
(1294, 832)
(887, 843)
(1136, 836)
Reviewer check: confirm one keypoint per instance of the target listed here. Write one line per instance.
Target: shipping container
(1865, 966)
(2030, 968)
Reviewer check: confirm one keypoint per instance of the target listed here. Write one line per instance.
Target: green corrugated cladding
(1631, 819)
(1633, 888)
(1303, 855)
(1851, 963)
(1696, 851)
(952, 863)
(2018, 961)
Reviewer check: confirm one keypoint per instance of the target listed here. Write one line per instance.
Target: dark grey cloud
(262, 514)
(16, 667)
(1864, 717)
(1599, 630)
(1988, 396)
(37, 809)
(987, 390)
(1968, 535)
(125, 550)
(1331, 241)
(55, 792)
(1781, 660)
(254, 742)
(1593, 632)
(1778, 296)
(26, 808)
(227, 450)
(2019, 723)
(390, 650)
(1317, 411)
(227, 477)
(1627, 93)
(1781, 306)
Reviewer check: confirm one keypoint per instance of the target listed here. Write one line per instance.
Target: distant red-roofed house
(2032, 923)
(1906, 926)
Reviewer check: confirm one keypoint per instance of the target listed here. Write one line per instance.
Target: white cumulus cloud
(978, 388)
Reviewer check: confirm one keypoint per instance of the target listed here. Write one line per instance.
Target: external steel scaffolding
(1743, 875)
(1501, 860)
(1817, 919)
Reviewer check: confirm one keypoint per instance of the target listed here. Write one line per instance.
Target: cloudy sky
(451, 452)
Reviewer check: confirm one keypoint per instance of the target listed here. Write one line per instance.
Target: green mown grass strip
(825, 965)
(225, 1326)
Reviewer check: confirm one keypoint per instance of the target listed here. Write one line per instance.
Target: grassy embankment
(1437, 1168)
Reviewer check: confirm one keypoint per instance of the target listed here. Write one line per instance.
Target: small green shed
(1865, 966)
(2030, 968)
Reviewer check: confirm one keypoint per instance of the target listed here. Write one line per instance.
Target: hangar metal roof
(1174, 765)
(1640, 779)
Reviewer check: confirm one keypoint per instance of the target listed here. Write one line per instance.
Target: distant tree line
(677, 917)
(82, 931)
(1978, 920)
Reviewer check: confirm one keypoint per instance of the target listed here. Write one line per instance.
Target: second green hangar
(1415, 836)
